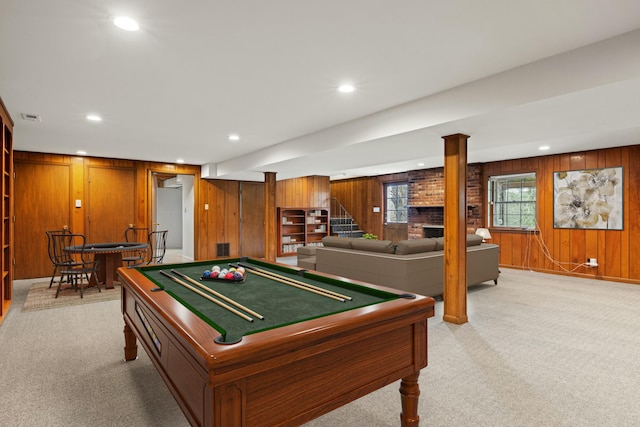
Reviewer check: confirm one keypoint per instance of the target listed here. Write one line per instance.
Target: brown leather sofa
(415, 266)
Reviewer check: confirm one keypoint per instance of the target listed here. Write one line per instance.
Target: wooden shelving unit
(6, 264)
(301, 227)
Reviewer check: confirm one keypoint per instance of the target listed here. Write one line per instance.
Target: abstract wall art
(588, 199)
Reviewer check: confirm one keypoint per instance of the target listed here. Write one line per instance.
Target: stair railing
(339, 212)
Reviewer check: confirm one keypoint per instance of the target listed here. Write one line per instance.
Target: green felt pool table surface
(278, 303)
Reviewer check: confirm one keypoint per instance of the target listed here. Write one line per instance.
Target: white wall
(188, 206)
(175, 210)
(169, 215)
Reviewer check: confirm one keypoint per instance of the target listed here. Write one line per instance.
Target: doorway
(173, 210)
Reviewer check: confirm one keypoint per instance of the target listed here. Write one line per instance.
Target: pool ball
(229, 276)
(237, 276)
(215, 268)
(241, 270)
(206, 273)
(213, 274)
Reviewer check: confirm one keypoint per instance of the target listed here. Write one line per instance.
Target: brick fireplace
(426, 199)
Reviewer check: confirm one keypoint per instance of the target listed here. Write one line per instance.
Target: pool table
(305, 355)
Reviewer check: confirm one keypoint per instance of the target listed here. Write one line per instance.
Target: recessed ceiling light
(346, 88)
(126, 23)
(180, 161)
(81, 152)
(420, 164)
(543, 148)
(94, 118)
(234, 137)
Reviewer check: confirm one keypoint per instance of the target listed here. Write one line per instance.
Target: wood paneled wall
(550, 250)
(556, 250)
(616, 251)
(78, 189)
(305, 192)
(221, 222)
(360, 195)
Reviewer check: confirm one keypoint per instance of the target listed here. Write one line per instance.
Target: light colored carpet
(41, 297)
(539, 350)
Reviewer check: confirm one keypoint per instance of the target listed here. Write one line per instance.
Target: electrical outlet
(593, 262)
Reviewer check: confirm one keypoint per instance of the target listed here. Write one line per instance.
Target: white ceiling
(512, 74)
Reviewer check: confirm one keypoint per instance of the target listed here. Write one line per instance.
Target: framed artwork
(588, 199)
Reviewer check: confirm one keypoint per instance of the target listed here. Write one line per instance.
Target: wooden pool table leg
(409, 394)
(130, 345)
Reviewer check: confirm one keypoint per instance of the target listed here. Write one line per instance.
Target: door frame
(152, 193)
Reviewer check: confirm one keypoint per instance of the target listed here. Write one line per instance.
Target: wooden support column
(455, 228)
(270, 240)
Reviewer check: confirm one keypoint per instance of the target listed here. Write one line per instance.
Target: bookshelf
(6, 264)
(301, 227)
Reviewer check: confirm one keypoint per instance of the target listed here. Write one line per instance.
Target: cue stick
(284, 280)
(210, 298)
(307, 285)
(218, 294)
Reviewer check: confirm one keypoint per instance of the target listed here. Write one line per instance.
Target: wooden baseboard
(574, 274)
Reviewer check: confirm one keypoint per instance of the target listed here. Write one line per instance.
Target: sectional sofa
(415, 266)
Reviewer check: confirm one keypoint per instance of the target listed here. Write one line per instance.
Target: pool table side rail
(137, 290)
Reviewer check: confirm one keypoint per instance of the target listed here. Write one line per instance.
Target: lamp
(484, 232)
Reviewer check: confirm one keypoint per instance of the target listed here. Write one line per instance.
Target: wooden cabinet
(301, 227)
(6, 264)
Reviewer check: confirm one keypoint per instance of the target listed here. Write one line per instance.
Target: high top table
(109, 256)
